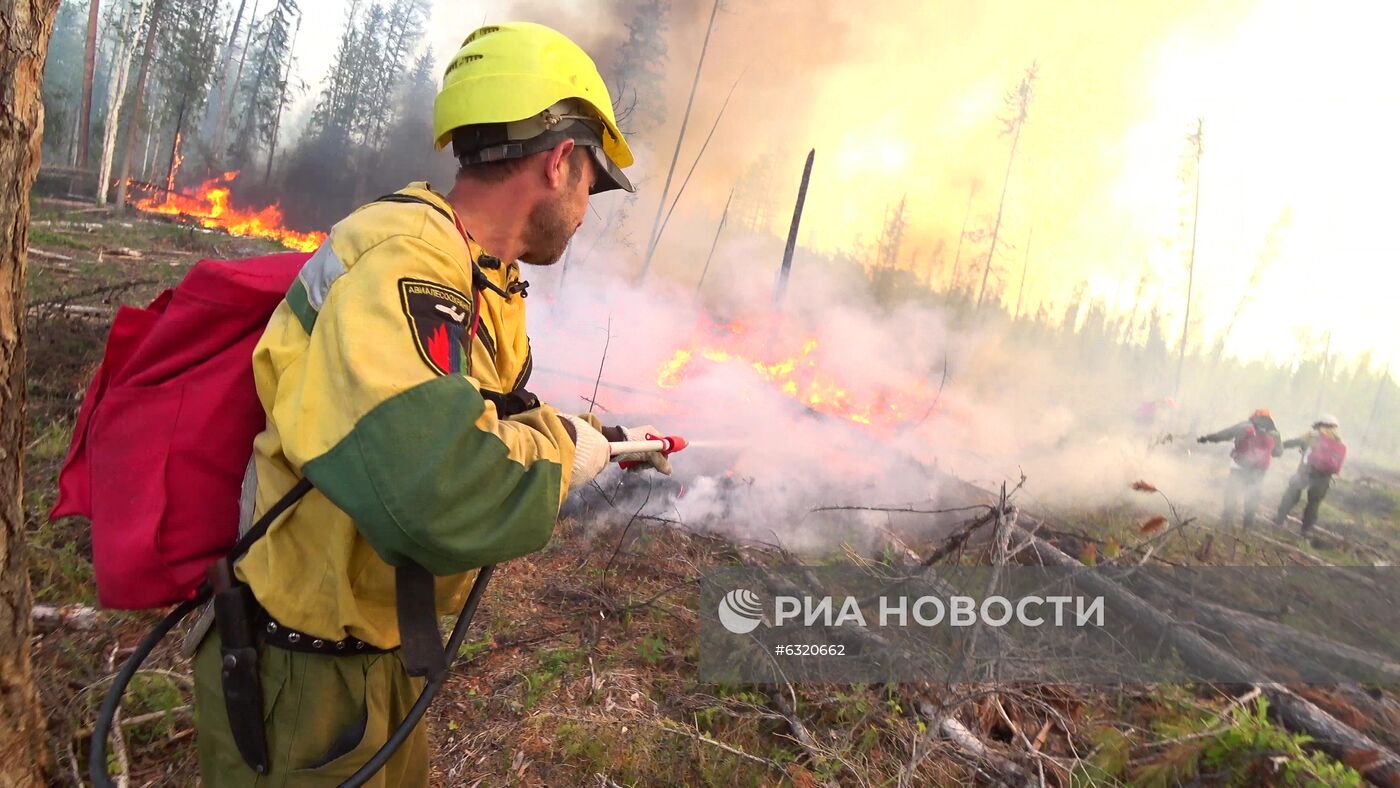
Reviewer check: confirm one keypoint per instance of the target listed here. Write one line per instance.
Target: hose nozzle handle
(665, 444)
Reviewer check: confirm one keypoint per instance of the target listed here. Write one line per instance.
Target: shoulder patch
(439, 319)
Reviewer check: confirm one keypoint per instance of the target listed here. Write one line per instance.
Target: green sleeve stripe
(301, 305)
(423, 484)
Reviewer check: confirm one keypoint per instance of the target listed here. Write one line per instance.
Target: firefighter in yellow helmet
(393, 376)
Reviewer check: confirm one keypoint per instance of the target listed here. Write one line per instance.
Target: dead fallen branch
(955, 542)
(140, 719)
(37, 252)
(998, 767)
(48, 618)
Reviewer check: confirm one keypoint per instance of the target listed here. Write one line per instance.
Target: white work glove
(591, 454)
(652, 459)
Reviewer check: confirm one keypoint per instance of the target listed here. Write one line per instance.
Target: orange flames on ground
(800, 376)
(209, 205)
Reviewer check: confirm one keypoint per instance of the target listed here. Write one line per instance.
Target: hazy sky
(1299, 100)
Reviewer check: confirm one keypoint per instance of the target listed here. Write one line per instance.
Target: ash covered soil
(580, 668)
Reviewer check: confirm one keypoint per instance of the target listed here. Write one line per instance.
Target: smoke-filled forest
(924, 289)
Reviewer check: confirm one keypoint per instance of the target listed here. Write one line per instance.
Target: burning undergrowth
(210, 205)
(837, 400)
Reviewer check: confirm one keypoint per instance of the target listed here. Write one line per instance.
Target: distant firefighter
(1323, 455)
(1257, 442)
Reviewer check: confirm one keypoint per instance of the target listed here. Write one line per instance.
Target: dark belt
(282, 636)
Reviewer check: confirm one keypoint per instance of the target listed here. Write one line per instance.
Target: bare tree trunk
(957, 257)
(723, 219)
(130, 148)
(680, 138)
(221, 112)
(1196, 140)
(89, 69)
(1025, 266)
(996, 227)
(282, 102)
(24, 41)
(238, 78)
(121, 64)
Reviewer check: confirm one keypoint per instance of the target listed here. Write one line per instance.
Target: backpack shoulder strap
(479, 279)
(410, 199)
(259, 529)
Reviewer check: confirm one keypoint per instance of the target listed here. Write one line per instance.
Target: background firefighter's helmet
(1327, 420)
(517, 88)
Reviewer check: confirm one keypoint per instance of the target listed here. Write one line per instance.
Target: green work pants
(324, 717)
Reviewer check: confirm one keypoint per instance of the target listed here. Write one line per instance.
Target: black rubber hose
(97, 751)
(425, 698)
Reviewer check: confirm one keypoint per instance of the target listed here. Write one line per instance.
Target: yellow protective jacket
(372, 394)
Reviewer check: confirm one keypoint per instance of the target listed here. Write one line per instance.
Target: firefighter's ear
(559, 167)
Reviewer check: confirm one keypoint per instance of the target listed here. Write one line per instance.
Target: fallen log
(1373, 760)
(1349, 657)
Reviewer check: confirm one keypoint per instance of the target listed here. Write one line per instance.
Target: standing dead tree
(957, 256)
(1196, 142)
(680, 139)
(1018, 105)
(1025, 266)
(24, 40)
(723, 219)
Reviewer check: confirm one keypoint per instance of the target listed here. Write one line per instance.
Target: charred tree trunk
(129, 149)
(24, 41)
(175, 149)
(89, 69)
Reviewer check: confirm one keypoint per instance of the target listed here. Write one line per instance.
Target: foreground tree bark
(24, 41)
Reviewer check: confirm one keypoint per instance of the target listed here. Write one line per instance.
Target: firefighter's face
(559, 214)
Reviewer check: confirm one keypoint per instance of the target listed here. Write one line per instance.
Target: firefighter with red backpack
(1323, 456)
(397, 456)
(393, 377)
(1257, 442)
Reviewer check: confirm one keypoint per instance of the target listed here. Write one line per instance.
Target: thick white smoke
(762, 459)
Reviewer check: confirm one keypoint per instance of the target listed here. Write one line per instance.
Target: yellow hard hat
(515, 71)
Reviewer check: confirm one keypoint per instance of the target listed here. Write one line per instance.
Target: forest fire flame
(798, 375)
(210, 207)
